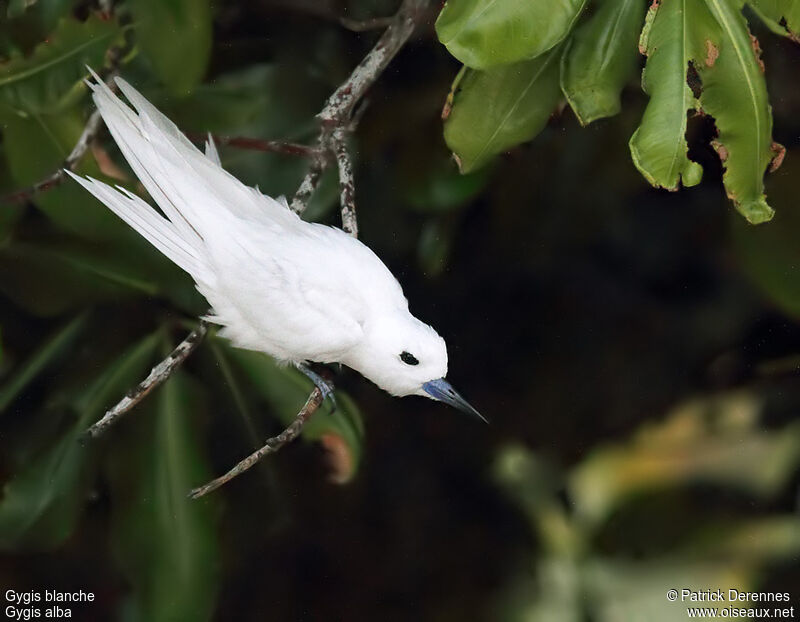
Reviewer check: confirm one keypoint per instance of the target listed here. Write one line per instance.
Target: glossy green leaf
(49, 352)
(286, 390)
(600, 59)
(499, 108)
(782, 16)
(51, 78)
(712, 39)
(175, 36)
(42, 503)
(658, 146)
(166, 543)
(485, 33)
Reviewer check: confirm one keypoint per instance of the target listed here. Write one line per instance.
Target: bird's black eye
(408, 358)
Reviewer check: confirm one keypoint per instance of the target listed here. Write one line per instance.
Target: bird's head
(407, 357)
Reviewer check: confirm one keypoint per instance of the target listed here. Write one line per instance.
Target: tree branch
(272, 445)
(336, 116)
(257, 144)
(346, 182)
(157, 375)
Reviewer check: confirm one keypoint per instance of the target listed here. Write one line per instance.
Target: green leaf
(735, 94)
(600, 59)
(782, 16)
(166, 544)
(499, 108)
(49, 352)
(50, 275)
(42, 503)
(485, 33)
(50, 79)
(710, 38)
(175, 36)
(286, 390)
(658, 146)
(36, 146)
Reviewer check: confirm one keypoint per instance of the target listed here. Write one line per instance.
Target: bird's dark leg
(325, 387)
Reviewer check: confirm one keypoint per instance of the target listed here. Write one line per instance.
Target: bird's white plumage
(298, 291)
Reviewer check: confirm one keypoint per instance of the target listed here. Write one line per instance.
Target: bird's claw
(325, 387)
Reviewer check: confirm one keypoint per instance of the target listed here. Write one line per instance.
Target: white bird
(299, 291)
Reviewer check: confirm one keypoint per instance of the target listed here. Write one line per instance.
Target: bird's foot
(325, 387)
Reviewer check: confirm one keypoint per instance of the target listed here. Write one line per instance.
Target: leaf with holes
(658, 146)
(781, 16)
(485, 33)
(51, 78)
(600, 59)
(496, 109)
(734, 92)
(700, 56)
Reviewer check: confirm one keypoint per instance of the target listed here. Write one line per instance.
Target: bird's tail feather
(157, 230)
(195, 194)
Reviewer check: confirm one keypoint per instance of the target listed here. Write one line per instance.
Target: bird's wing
(286, 294)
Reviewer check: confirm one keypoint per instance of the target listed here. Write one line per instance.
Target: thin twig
(157, 375)
(309, 184)
(257, 144)
(346, 181)
(337, 113)
(272, 445)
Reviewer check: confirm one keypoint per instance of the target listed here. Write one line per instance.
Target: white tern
(299, 291)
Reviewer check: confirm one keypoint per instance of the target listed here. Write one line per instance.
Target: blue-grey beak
(443, 391)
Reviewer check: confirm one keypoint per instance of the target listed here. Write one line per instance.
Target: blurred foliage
(579, 306)
(701, 57)
(603, 551)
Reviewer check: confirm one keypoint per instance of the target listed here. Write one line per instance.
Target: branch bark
(257, 144)
(157, 375)
(336, 116)
(272, 445)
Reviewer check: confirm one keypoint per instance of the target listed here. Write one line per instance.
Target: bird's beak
(443, 391)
